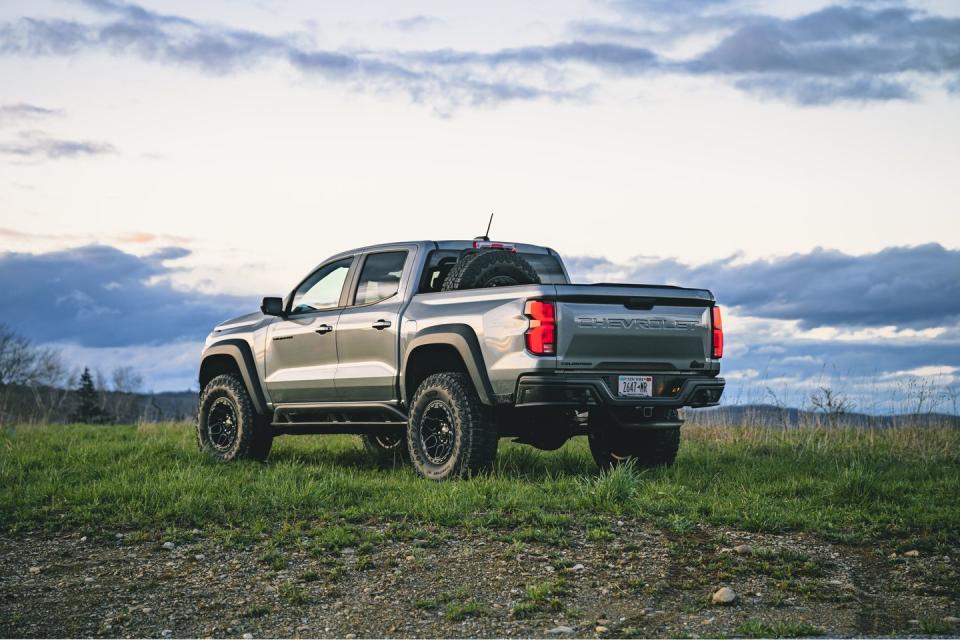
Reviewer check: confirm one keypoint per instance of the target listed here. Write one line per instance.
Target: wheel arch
(452, 347)
(234, 357)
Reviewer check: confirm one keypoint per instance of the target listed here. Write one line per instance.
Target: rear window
(440, 261)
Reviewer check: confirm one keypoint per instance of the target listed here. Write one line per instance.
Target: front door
(301, 356)
(368, 330)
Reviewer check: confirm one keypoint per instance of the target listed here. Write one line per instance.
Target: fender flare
(462, 338)
(240, 351)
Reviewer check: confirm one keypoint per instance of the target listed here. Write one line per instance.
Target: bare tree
(126, 382)
(48, 383)
(832, 403)
(16, 357)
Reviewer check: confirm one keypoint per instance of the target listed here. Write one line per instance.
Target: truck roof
(455, 245)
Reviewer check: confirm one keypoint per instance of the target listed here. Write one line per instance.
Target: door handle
(324, 328)
(380, 325)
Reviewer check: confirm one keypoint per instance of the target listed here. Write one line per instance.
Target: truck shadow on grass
(519, 462)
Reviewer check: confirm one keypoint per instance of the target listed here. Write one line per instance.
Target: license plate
(636, 386)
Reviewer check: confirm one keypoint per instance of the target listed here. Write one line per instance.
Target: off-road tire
(251, 438)
(387, 451)
(489, 268)
(472, 434)
(612, 445)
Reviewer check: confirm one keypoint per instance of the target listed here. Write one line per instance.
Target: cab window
(380, 276)
(322, 289)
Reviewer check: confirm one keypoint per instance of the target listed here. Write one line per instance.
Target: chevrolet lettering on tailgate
(588, 322)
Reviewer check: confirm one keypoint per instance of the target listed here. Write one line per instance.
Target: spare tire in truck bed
(489, 268)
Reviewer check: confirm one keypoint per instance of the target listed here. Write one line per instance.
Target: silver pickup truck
(433, 351)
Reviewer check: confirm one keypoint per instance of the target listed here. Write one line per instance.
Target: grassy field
(846, 485)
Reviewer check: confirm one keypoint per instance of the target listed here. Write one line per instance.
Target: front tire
(612, 445)
(449, 432)
(228, 427)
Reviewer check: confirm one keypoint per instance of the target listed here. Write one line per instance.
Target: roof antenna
(486, 237)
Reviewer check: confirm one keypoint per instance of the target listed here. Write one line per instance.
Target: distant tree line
(37, 386)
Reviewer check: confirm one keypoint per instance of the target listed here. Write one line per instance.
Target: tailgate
(632, 327)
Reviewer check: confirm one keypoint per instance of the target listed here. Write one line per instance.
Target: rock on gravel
(577, 567)
(169, 546)
(560, 630)
(913, 553)
(723, 595)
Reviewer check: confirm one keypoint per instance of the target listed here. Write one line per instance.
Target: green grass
(934, 627)
(457, 611)
(541, 596)
(779, 629)
(293, 593)
(845, 484)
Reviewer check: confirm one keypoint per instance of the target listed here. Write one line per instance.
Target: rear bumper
(586, 390)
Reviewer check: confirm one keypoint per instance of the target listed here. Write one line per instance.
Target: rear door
(632, 328)
(301, 349)
(368, 329)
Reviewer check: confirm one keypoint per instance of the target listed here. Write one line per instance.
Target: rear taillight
(542, 334)
(717, 333)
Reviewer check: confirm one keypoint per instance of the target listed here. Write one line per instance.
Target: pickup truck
(434, 350)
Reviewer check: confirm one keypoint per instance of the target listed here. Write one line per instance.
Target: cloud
(100, 296)
(36, 145)
(71, 239)
(916, 287)
(836, 54)
(10, 113)
(809, 92)
(681, 7)
(165, 367)
(880, 375)
(415, 23)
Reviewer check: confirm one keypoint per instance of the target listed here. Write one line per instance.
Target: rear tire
(228, 427)
(489, 268)
(449, 432)
(612, 445)
(387, 450)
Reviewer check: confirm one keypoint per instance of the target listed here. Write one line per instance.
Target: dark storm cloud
(915, 287)
(35, 145)
(839, 53)
(99, 296)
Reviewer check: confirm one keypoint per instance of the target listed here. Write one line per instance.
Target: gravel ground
(625, 579)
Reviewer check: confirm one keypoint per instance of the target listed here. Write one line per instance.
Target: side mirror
(272, 306)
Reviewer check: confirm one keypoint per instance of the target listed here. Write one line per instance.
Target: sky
(163, 165)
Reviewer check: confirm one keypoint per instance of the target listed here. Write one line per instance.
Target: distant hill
(773, 416)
